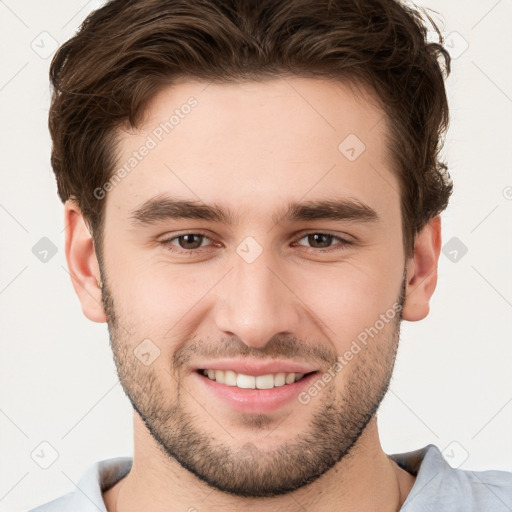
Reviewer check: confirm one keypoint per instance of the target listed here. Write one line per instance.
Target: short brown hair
(128, 50)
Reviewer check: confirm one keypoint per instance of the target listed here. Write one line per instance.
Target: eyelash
(340, 246)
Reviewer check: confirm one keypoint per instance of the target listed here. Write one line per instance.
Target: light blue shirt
(438, 486)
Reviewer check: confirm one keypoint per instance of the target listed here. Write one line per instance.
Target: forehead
(254, 145)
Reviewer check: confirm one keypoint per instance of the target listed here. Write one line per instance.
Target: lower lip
(256, 401)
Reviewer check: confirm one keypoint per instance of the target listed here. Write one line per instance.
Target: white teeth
(269, 381)
(230, 378)
(245, 381)
(290, 377)
(279, 379)
(265, 381)
(219, 376)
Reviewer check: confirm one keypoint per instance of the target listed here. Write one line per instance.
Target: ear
(422, 271)
(83, 263)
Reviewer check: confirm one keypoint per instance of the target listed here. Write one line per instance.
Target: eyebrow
(161, 208)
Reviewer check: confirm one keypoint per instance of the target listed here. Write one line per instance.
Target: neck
(366, 479)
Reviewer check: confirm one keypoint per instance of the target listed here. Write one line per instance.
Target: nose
(255, 302)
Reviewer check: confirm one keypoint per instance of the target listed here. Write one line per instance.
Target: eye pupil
(187, 243)
(314, 238)
(191, 243)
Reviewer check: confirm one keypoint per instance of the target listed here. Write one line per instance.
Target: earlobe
(83, 263)
(422, 271)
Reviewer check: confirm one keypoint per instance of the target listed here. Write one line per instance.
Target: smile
(241, 380)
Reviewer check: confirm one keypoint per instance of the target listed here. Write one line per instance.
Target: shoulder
(484, 490)
(438, 486)
(88, 495)
(61, 504)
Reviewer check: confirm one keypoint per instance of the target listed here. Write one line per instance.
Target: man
(252, 202)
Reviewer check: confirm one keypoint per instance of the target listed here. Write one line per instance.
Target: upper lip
(256, 367)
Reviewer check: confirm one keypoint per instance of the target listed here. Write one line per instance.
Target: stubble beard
(237, 466)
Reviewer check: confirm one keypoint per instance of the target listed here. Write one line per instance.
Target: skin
(252, 148)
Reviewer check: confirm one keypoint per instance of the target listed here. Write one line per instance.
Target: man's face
(258, 289)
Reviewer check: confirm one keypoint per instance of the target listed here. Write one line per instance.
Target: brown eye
(322, 242)
(185, 243)
(191, 241)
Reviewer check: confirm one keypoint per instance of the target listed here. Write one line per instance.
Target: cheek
(161, 300)
(158, 298)
(349, 298)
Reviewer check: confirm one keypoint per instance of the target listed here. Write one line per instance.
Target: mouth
(244, 381)
(253, 394)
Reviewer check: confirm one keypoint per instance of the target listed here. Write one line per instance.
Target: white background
(452, 385)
